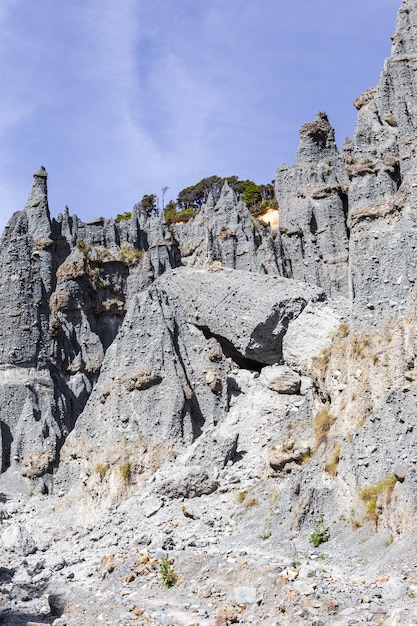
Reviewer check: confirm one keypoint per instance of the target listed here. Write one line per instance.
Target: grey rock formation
(382, 165)
(312, 196)
(224, 231)
(247, 313)
(270, 376)
(66, 285)
(165, 376)
(281, 378)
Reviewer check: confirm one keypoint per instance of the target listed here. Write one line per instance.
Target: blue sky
(119, 98)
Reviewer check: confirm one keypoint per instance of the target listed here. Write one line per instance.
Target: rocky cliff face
(144, 364)
(313, 211)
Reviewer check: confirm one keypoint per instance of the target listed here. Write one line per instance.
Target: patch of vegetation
(351, 519)
(321, 362)
(130, 255)
(369, 495)
(126, 472)
(332, 462)
(172, 216)
(320, 533)
(371, 511)
(168, 573)
(82, 247)
(123, 216)
(344, 329)
(96, 277)
(305, 457)
(266, 535)
(174, 239)
(258, 198)
(385, 486)
(259, 209)
(268, 523)
(103, 255)
(101, 469)
(322, 423)
(241, 495)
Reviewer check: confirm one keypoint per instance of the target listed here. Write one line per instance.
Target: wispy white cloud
(118, 98)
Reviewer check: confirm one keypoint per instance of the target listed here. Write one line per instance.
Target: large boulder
(249, 314)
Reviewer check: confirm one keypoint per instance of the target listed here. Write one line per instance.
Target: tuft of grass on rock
(101, 469)
(322, 423)
(126, 472)
(344, 329)
(332, 462)
(369, 495)
(384, 486)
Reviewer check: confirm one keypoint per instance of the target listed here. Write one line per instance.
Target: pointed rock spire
(36, 208)
(316, 140)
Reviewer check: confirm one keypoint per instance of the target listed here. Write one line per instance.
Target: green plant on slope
(369, 496)
(168, 574)
(320, 533)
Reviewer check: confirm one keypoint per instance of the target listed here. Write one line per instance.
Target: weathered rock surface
(281, 378)
(313, 207)
(225, 232)
(220, 405)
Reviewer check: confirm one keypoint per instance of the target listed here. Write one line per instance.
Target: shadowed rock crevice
(230, 351)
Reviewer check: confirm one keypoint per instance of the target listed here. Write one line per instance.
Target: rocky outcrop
(142, 363)
(312, 196)
(66, 285)
(29, 414)
(201, 389)
(165, 378)
(381, 165)
(225, 232)
(344, 216)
